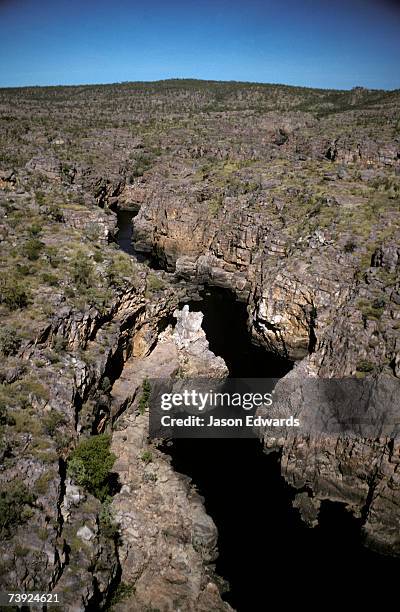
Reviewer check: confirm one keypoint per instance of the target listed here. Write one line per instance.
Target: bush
(141, 163)
(93, 232)
(13, 294)
(154, 283)
(53, 257)
(108, 527)
(5, 418)
(52, 421)
(32, 249)
(34, 230)
(90, 463)
(122, 592)
(120, 268)
(82, 270)
(378, 303)
(147, 457)
(350, 246)
(365, 366)
(105, 385)
(40, 197)
(23, 269)
(10, 341)
(144, 398)
(42, 483)
(56, 213)
(15, 506)
(215, 204)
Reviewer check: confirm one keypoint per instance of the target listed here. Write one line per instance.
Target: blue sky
(316, 43)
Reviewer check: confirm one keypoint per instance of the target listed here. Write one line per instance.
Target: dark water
(265, 550)
(124, 236)
(266, 553)
(124, 239)
(225, 324)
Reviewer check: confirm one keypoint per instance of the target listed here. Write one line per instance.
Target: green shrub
(141, 163)
(53, 257)
(144, 398)
(56, 213)
(350, 246)
(105, 385)
(108, 527)
(15, 506)
(147, 456)
(34, 230)
(82, 270)
(51, 422)
(120, 268)
(154, 283)
(92, 232)
(122, 592)
(365, 366)
(90, 463)
(5, 418)
(13, 294)
(23, 269)
(49, 279)
(215, 204)
(59, 344)
(10, 340)
(379, 303)
(40, 197)
(42, 483)
(32, 249)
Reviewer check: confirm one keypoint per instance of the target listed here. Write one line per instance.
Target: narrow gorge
(242, 487)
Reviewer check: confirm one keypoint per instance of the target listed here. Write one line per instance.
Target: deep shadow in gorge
(225, 324)
(264, 548)
(263, 544)
(124, 239)
(265, 551)
(125, 229)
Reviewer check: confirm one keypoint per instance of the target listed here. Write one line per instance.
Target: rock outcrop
(168, 542)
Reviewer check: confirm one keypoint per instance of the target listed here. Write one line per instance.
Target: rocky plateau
(286, 197)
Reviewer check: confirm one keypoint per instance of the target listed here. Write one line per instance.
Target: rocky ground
(287, 196)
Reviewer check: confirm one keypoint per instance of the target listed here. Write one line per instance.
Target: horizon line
(202, 80)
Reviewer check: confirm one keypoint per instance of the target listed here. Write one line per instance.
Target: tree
(90, 463)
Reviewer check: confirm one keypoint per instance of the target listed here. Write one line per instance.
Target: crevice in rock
(369, 499)
(59, 563)
(229, 473)
(312, 343)
(78, 403)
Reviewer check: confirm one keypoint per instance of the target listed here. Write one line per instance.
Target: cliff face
(62, 392)
(288, 197)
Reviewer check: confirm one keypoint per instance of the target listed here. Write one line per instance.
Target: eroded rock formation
(167, 540)
(288, 197)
